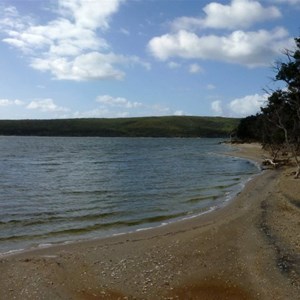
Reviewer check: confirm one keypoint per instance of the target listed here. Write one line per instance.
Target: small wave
(232, 179)
(45, 245)
(156, 219)
(46, 164)
(95, 227)
(203, 198)
(23, 237)
(224, 186)
(47, 220)
(109, 185)
(85, 193)
(11, 252)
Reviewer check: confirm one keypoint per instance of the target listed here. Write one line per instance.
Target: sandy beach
(249, 249)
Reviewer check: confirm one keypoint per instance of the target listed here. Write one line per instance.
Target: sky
(134, 58)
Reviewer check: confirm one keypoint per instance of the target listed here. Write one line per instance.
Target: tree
(281, 115)
(277, 127)
(249, 128)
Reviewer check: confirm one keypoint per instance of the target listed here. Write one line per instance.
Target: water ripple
(56, 189)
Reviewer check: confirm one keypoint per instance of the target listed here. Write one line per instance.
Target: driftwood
(269, 161)
(276, 163)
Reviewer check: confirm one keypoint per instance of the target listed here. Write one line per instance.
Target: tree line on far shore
(168, 126)
(277, 126)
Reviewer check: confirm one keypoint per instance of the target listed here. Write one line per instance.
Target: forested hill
(171, 126)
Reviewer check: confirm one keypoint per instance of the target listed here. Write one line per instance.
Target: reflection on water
(58, 189)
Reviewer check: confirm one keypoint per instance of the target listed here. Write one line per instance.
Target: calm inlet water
(62, 189)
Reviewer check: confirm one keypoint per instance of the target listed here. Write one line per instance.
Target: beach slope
(249, 249)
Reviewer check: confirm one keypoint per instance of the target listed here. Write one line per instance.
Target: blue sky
(124, 58)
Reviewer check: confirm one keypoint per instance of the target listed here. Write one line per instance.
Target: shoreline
(241, 251)
(221, 204)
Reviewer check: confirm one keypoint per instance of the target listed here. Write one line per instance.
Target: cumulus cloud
(69, 46)
(240, 107)
(60, 36)
(252, 48)
(93, 65)
(117, 107)
(236, 15)
(46, 105)
(10, 18)
(248, 105)
(8, 102)
(237, 44)
(117, 101)
(89, 14)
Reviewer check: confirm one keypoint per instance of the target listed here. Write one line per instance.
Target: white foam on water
(11, 252)
(46, 245)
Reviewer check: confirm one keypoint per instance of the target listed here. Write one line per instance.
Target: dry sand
(250, 249)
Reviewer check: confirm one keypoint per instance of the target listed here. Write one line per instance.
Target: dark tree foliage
(278, 124)
(169, 126)
(249, 128)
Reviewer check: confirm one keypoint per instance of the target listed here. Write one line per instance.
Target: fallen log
(268, 161)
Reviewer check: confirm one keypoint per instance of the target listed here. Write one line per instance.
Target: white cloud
(238, 14)
(99, 113)
(119, 107)
(179, 113)
(253, 48)
(7, 102)
(46, 105)
(93, 65)
(58, 37)
(90, 66)
(69, 46)
(195, 68)
(10, 18)
(90, 14)
(117, 101)
(248, 105)
(216, 107)
(105, 112)
(240, 107)
(186, 23)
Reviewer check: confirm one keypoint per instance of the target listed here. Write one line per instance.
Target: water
(62, 189)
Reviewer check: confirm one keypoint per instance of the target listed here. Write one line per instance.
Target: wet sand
(249, 249)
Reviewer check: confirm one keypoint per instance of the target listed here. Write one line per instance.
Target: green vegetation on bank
(277, 126)
(169, 126)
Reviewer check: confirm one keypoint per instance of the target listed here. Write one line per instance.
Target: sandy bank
(249, 249)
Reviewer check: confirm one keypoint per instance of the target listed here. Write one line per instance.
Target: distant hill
(169, 126)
